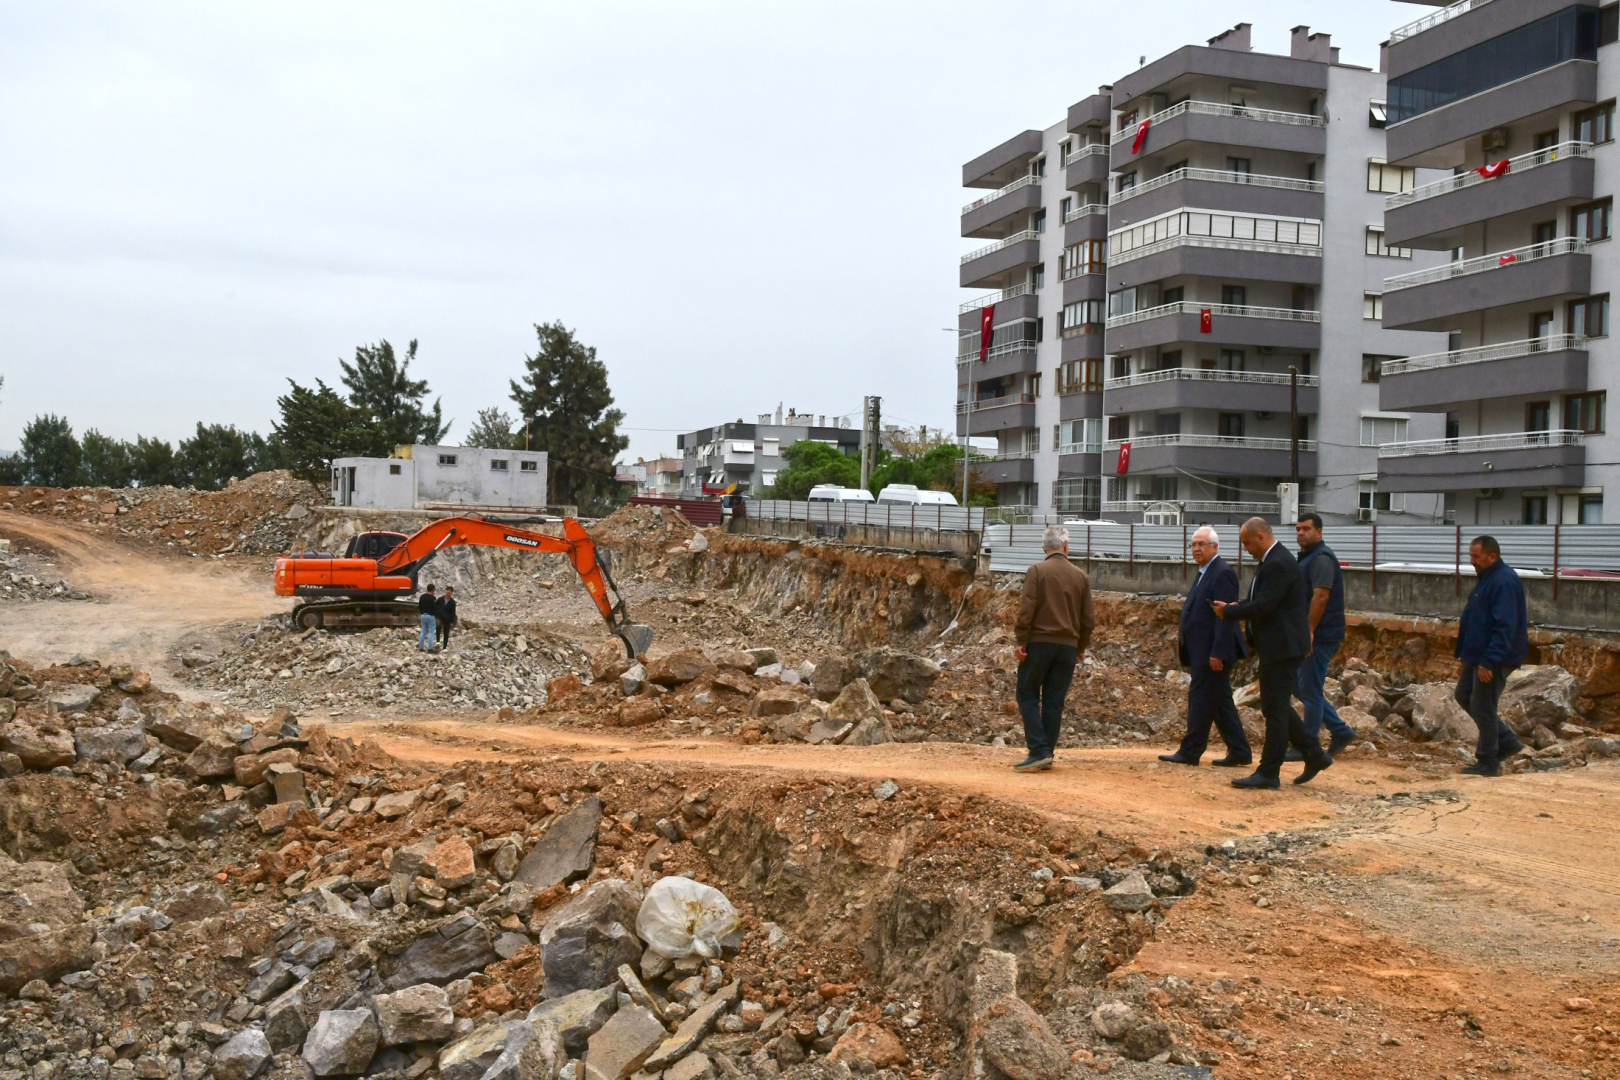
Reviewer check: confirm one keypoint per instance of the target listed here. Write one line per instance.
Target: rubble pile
(26, 577)
(270, 663)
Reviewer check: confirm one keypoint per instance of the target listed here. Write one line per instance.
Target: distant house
(436, 477)
(750, 455)
(660, 476)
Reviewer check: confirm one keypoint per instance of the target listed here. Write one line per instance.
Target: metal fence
(885, 515)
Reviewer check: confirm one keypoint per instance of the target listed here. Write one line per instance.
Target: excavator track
(355, 614)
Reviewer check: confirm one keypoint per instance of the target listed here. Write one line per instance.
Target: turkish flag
(1141, 135)
(1206, 321)
(1491, 172)
(1124, 463)
(1506, 259)
(987, 315)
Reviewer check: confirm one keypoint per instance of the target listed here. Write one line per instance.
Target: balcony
(1194, 506)
(1003, 210)
(1086, 165)
(999, 297)
(1208, 388)
(1008, 358)
(1088, 222)
(1000, 166)
(1230, 324)
(1229, 246)
(999, 262)
(1217, 189)
(987, 416)
(1224, 125)
(1214, 455)
(1014, 468)
(1435, 139)
(1429, 22)
(1441, 381)
(1515, 459)
(1433, 216)
(1432, 299)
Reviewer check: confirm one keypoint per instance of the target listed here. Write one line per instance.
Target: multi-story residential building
(1221, 214)
(750, 455)
(1511, 99)
(660, 476)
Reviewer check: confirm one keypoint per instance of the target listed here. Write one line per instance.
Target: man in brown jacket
(1055, 620)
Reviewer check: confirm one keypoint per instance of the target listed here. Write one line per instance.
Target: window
(1078, 436)
(1121, 302)
(1167, 423)
(1535, 509)
(1082, 317)
(1173, 296)
(1232, 359)
(1119, 428)
(1591, 221)
(1121, 367)
(1453, 425)
(1238, 166)
(1234, 295)
(1586, 412)
(1244, 229)
(1382, 430)
(1228, 489)
(1544, 140)
(1037, 168)
(1127, 120)
(1116, 489)
(1064, 149)
(1065, 206)
(498, 464)
(529, 466)
(1376, 246)
(1537, 415)
(1164, 488)
(1591, 510)
(1589, 317)
(1125, 183)
(1037, 276)
(1086, 257)
(1081, 496)
(1037, 221)
(1377, 116)
(1609, 24)
(1544, 232)
(447, 461)
(1372, 305)
(1372, 366)
(1389, 179)
(393, 470)
(1230, 425)
(1594, 125)
(1080, 377)
(1370, 500)
(1540, 324)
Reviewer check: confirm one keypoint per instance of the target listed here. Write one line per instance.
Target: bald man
(1209, 648)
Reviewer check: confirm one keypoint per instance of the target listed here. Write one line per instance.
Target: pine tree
(51, 456)
(493, 430)
(565, 400)
(107, 461)
(380, 385)
(152, 463)
(214, 454)
(318, 425)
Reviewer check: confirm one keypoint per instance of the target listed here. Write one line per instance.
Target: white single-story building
(431, 477)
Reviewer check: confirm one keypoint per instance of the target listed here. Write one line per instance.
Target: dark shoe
(1230, 762)
(1177, 759)
(1257, 780)
(1480, 768)
(1339, 742)
(1033, 763)
(1293, 755)
(1314, 767)
(1505, 752)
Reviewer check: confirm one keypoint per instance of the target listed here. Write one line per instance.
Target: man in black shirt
(428, 607)
(447, 615)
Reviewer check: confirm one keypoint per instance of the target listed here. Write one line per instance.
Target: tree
(811, 463)
(380, 386)
(318, 425)
(493, 429)
(565, 399)
(264, 454)
(107, 461)
(213, 455)
(51, 456)
(152, 463)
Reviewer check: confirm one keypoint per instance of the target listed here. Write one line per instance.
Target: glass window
(1591, 511)
(1082, 317)
(1080, 496)
(1086, 257)
(1231, 359)
(1376, 246)
(1586, 412)
(393, 470)
(1535, 509)
(498, 464)
(1591, 220)
(1595, 125)
(1231, 425)
(528, 466)
(1234, 295)
(1372, 305)
(1589, 317)
(447, 460)
(1380, 430)
(1390, 179)
(1537, 415)
(1377, 115)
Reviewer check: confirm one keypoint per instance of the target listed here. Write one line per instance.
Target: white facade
(430, 477)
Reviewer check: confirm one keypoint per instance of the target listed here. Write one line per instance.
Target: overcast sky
(738, 204)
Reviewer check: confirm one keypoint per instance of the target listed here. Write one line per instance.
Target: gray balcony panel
(1019, 307)
(1541, 466)
(1091, 169)
(1021, 362)
(1008, 471)
(1216, 195)
(999, 167)
(1225, 330)
(1073, 465)
(1196, 394)
(1464, 31)
(1165, 136)
(1442, 388)
(1003, 216)
(1090, 227)
(1001, 418)
(1438, 222)
(1085, 287)
(1090, 111)
(1436, 305)
(988, 270)
(1246, 68)
(1227, 264)
(1081, 347)
(1079, 406)
(1218, 461)
(1433, 138)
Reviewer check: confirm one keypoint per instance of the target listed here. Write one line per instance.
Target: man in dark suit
(1277, 614)
(1210, 646)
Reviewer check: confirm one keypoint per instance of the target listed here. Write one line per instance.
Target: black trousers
(1209, 700)
(1283, 723)
(1496, 739)
(444, 632)
(1043, 684)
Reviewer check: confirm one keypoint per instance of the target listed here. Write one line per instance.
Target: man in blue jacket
(1209, 648)
(1493, 638)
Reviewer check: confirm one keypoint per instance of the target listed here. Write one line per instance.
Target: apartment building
(1221, 256)
(750, 455)
(1511, 100)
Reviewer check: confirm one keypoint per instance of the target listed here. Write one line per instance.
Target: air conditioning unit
(1490, 493)
(1495, 139)
(1366, 513)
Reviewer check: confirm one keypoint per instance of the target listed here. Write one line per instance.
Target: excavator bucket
(637, 638)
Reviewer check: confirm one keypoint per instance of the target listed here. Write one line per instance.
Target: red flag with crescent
(1206, 321)
(1141, 135)
(1124, 464)
(987, 315)
(1491, 172)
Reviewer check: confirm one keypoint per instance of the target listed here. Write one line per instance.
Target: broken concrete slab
(622, 1045)
(578, 1016)
(566, 851)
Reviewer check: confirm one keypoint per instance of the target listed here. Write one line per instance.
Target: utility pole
(866, 430)
(877, 432)
(1293, 426)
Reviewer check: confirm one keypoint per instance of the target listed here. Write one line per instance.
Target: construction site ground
(1421, 924)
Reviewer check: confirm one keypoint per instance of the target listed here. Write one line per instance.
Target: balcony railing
(1252, 378)
(1505, 350)
(1015, 238)
(1080, 448)
(1192, 307)
(1014, 455)
(993, 298)
(1472, 444)
(1085, 211)
(1564, 245)
(1428, 22)
(1215, 108)
(1006, 348)
(1089, 150)
(1191, 506)
(1523, 163)
(994, 403)
(1218, 442)
(1022, 182)
(1220, 176)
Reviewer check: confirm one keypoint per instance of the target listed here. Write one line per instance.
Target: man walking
(1493, 638)
(1209, 647)
(428, 607)
(446, 615)
(1055, 620)
(1325, 582)
(1277, 614)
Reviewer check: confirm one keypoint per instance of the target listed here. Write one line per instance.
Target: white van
(834, 493)
(909, 494)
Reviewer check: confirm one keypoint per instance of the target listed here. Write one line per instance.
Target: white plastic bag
(680, 917)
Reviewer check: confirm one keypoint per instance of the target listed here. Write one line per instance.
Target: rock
(855, 703)
(1370, 701)
(1004, 1033)
(870, 1043)
(584, 942)
(735, 660)
(622, 1044)
(567, 849)
(1146, 1039)
(1603, 677)
(212, 759)
(285, 1024)
(577, 1016)
(533, 1051)
(1437, 716)
(509, 944)
(200, 900)
(37, 990)
(136, 683)
(415, 1014)
(885, 791)
(562, 688)
(437, 958)
(11, 765)
(893, 674)
(289, 784)
(341, 1043)
(679, 668)
(1131, 894)
(249, 768)
(637, 990)
(1113, 1019)
(243, 1056)
(117, 745)
(1539, 694)
(395, 804)
(1246, 697)
(639, 711)
(179, 730)
(468, 1058)
(452, 864)
(73, 698)
(1360, 720)
(633, 679)
(827, 731)
(505, 862)
(37, 748)
(42, 930)
(692, 1030)
(777, 701)
(608, 662)
(830, 677)
(872, 731)
(763, 655)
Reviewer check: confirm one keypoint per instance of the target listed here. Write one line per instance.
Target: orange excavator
(366, 587)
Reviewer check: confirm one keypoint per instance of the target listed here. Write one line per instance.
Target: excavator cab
(373, 545)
